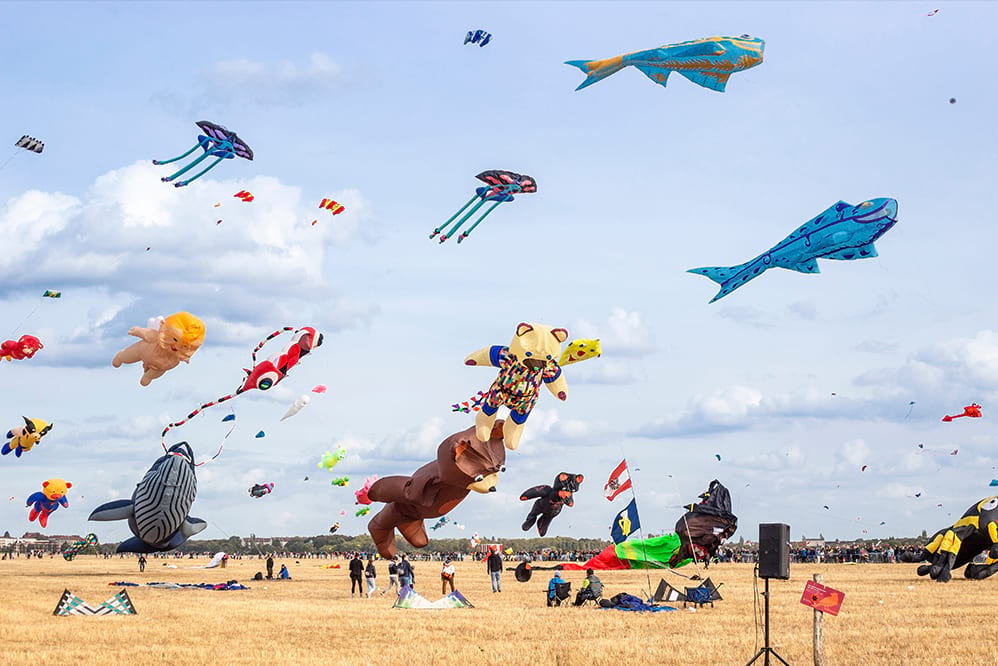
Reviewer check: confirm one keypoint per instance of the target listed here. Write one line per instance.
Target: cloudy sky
(795, 381)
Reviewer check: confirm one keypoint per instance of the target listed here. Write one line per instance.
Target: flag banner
(625, 523)
(620, 480)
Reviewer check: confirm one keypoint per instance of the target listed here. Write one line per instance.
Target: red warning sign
(822, 598)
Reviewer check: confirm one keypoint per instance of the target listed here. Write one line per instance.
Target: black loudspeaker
(774, 550)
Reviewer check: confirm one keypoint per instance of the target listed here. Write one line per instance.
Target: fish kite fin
(729, 277)
(809, 266)
(708, 79)
(596, 70)
(867, 251)
(116, 510)
(192, 526)
(656, 74)
(136, 545)
(719, 274)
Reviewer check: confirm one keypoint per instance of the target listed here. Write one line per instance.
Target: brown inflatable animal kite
(464, 463)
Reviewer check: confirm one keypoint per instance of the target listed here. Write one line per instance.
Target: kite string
(693, 552)
(641, 535)
(8, 160)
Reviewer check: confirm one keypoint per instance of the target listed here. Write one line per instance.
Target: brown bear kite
(464, 463)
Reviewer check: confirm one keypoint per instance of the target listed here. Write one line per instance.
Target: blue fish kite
(842, 232)
(479, 37)
(707, 62)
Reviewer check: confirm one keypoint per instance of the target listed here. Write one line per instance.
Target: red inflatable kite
(973, 411)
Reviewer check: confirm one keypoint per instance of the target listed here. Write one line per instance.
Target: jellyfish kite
(217, 142)
(502, 185)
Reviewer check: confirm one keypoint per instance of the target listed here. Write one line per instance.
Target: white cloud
(746, 314)
(265, 251)
(623, 333)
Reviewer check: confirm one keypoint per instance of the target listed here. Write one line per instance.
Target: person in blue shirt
(284, 573)
(556, 580)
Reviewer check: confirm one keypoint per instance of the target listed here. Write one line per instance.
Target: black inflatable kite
(550, 500)
(952, 547)
(705, 525)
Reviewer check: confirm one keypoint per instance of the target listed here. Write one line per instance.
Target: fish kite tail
(726, 276)
(597, 70)
(947, 418)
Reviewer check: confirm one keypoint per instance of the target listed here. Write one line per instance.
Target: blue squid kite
(502, 185)
(217, 142)
(707, 62)
(843, 232)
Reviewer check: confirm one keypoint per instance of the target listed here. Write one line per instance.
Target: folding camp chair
(562, 591)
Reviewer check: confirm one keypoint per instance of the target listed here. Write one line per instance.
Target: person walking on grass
(371, 575)
(393, 576)
(406, 575)
(447, 577)
(494, 566)
(356, 575)
(142, 563)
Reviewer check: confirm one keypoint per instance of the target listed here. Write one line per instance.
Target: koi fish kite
(842, 232)
(707, 62)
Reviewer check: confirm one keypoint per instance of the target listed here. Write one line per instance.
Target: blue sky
(795, 380)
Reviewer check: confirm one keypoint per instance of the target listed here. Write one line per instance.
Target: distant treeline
(362, 543)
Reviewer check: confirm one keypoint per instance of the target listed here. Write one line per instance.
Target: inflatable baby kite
(530, 360)
(179, 336)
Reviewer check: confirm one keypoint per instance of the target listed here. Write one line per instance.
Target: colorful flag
(620, 480)
(52, 294)
(625, 523)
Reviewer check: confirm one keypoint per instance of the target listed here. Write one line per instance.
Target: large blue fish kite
(842, 232)
(157, 512)
(706, 62)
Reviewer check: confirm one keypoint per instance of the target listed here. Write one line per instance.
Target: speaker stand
(766, 650)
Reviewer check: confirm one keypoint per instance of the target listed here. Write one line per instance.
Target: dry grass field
(312, 619)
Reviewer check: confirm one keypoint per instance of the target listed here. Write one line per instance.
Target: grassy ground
(890, 616)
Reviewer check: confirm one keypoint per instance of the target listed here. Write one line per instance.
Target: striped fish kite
(157, 514)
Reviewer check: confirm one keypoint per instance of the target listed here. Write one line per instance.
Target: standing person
(393, 576)
(371, 574)
(494, 566)
(447, 577)
(142, 563)
(225, 560)
(270, 567)
(406, 575)
(356, 575)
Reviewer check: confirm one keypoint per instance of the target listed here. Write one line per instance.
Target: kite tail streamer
(269, 338)
(197, 411)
